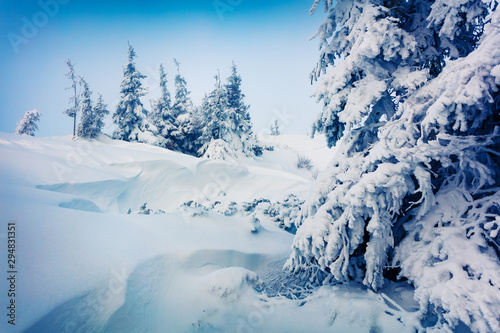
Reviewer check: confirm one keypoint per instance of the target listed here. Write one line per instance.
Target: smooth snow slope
(84, 265)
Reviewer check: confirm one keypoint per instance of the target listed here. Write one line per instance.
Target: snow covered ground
(85, 265)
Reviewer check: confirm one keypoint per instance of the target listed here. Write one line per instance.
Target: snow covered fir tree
(216, 122)
(186, 122)
(162, 115)
(100, 111)
(221, 125)
(87, 118)
(275, 128)
(411, 103)
(227, 127)
(130, 115)
(28, 124)
(91, 117)
(241, 123)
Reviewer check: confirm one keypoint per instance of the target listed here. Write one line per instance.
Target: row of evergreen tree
(220, 126)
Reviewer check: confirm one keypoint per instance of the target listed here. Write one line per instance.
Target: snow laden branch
(414, 183)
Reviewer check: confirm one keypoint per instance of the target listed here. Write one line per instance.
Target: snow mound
(99, 269)
(219, 150)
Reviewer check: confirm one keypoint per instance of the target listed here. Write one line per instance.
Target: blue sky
(268, 40)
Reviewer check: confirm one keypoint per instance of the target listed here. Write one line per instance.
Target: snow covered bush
(227, 209)
(28, 124)
(304, 162)
(192, 208)
(411, 105)
(219, 150)
(285, 213)
(144, 210)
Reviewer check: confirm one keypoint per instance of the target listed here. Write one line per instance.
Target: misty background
(267, 39)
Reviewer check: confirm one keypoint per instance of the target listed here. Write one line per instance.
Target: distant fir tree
(239, 115)
(100, 111)
(187, 120)
(235, 100)
(216, 119)
(130, 113)
(190, 129)
(162, 116)
(28, 124)
(87, 117)
(226, 118)
(183, 103)
(74, 100)
(275, 128)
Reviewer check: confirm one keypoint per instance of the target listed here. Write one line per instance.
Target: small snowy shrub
(225, 209)
(286, 213)
(254, 225)
(250, 207)
(145, 211)
(315, 173)
(219, 150)
(304, 162)
(268, 148)
(194, 208)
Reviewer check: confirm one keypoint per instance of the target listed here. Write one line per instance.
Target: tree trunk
(76, 108)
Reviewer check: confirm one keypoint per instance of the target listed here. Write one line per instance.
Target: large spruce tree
(411, 104)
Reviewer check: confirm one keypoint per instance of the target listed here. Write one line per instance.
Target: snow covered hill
(85, 265)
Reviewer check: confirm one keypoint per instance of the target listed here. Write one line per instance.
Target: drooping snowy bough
(412, 106)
